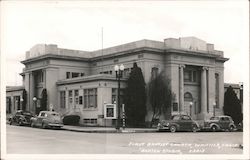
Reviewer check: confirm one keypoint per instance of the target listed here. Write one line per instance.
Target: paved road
(44, 141)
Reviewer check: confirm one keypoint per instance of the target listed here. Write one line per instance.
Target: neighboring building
(14, 97)
(81, 82)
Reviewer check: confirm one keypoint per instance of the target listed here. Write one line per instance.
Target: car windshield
(214, 118)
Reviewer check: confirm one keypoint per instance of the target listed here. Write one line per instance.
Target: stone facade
(195, 69)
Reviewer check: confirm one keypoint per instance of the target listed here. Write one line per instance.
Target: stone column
(204, 90)
(181, 88)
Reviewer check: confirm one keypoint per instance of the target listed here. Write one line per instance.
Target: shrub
(71, 120)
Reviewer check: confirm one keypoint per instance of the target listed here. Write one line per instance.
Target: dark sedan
(21, 118)
(179, 123)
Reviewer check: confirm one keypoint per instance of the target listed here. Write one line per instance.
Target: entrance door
(188, 104)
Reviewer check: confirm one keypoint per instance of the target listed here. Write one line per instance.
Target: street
(27, 140)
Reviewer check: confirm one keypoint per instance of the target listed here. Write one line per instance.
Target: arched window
(188, 97)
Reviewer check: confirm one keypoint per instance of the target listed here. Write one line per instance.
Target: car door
(223, 123)
(40, 118)
(186, 122)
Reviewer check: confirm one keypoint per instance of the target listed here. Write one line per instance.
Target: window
(175, 107)
(126, 72)
(76, 97)
(68, 75)
(82, 74)
(62, 99)
(115, 95)
(80, 99)
(90, 121)
(154, 72)
(186, 118)
(75, 74)
(90, 98)
(176, 118)
(70, 97)
(39, 77)
(190, 76)
(188, 97)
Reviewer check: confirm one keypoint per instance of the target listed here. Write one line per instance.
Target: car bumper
(163, 128)
(55, 125)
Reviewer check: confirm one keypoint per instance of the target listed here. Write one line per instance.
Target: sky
(78, 25)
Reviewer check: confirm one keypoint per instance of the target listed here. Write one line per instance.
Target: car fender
(175, 124)
(214, 124)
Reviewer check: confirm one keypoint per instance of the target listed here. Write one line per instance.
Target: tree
(160, 96)
(135, 99)
(44, 100)
(24, 100)
(232, 106)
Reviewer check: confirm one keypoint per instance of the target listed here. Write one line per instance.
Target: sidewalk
(107, 129)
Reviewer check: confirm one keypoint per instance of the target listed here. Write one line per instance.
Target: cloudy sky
(77, 25)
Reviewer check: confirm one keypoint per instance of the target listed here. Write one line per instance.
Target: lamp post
(35, 99)
(191, 104)
(22, 103)
(214, 104)
(118, 73)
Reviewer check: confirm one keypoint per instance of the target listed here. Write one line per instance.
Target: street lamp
(214, 104)
(191, 104)
(35, 99)
(22, 103)
(118, 73)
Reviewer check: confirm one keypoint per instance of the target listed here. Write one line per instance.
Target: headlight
(167, 124)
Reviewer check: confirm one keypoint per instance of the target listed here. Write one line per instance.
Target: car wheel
(172, 129)
(231, 128)
(194, 129)
(20, 123)
(43, 125)
(32, 124)
(214, 128)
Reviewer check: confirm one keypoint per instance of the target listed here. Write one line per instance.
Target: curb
(110, 131)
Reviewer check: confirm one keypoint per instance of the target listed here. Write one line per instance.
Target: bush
(71, 120)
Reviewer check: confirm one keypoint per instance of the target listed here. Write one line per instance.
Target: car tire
(214, 128)
(194, 129)
(231, 128)
(173, 129)
(44, 126)
(32, 124)
(20, 123)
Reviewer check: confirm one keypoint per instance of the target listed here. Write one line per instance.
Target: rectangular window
(188, 76)
(126, 72)
(75, 74)
(80, 99)
(70, 97)
(175, 107)
(90, 98)
(115, 95)
(76, 97)
(62, 99)
(82, 74)
(90, 121)
(68, 75)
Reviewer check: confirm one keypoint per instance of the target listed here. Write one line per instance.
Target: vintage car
(47, 119)
(21, 118)
(219, 123)
(178, 122)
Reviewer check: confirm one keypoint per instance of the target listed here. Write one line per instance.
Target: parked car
(178, 123)
(47, 119)
(21, 118)
(219, 123)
